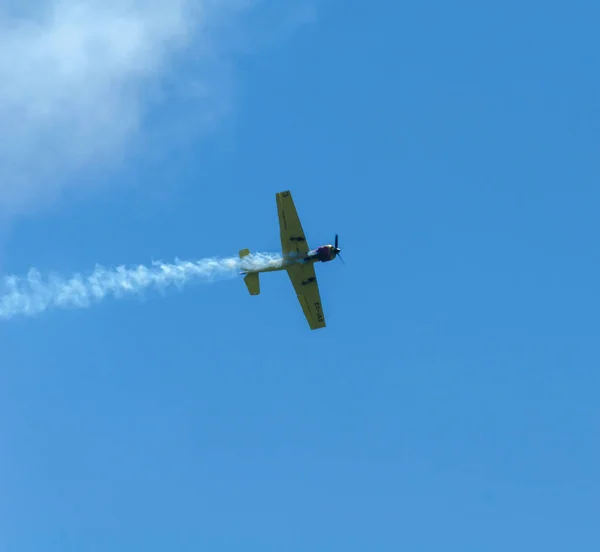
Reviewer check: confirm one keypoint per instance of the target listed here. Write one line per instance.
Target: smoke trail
(33, 295)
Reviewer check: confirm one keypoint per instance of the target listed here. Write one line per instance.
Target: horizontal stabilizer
(252, 283)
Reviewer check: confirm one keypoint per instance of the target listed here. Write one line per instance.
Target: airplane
(298, 260)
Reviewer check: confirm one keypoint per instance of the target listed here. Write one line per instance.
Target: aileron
(305, 284)
(293, 240)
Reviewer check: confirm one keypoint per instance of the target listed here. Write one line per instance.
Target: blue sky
(451, 403)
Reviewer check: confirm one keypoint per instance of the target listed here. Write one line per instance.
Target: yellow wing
(305, 283)
(293, 240)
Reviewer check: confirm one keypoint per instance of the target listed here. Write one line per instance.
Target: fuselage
(323, 254)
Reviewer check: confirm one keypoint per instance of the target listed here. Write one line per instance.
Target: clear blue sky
(452, 402)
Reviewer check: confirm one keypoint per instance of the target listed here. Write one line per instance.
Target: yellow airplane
(298, 260)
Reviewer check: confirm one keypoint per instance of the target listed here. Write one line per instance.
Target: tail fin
(244, 253)
(252, 283)
(251, 280)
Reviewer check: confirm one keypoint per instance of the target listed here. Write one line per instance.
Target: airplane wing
(293, 240)
(305, 283)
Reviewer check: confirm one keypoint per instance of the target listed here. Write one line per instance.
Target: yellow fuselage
(323, 254)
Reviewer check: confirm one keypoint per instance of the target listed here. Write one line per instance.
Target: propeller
(337, 249)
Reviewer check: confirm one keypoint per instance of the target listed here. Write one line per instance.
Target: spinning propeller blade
(337, 249)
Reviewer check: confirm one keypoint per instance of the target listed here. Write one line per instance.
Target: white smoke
(33, 295)
(78, 78)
